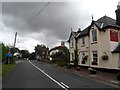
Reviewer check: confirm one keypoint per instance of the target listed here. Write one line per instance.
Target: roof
(84, 32)
(106, 21)
(57, 47)
(101, 23)
(74, 34)
(117, 50)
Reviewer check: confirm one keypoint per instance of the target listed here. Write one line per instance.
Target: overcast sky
(53, 24)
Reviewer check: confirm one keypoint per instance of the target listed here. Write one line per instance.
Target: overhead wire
(30, 21)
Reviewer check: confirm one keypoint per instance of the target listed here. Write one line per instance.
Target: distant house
(98, 44)
(56, 49)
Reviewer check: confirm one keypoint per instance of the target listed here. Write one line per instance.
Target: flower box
(83, 62)
(94, 63)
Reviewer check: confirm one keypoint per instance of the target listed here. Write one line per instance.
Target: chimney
(62, 43)
(79, 30)
(118, 14)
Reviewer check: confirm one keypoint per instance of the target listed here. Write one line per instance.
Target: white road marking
(60, 84)
(64, 85)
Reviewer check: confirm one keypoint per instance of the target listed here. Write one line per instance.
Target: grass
(6, 68)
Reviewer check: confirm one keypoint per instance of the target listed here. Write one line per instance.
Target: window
(95, 56)
(94, 35)
(113, 36)
(83, 41)
(72, 54)
(71, 42)
(83, 55)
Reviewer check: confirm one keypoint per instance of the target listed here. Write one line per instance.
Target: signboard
(113, 35)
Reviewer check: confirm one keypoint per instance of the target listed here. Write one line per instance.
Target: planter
(93, 71)
(78, 68)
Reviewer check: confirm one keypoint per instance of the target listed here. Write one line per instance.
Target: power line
(30, 21)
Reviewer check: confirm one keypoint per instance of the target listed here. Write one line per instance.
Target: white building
(99, 44)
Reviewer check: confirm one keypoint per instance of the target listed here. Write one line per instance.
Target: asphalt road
(34, 74)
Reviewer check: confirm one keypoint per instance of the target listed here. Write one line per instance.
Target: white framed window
(71, 42)
(83, 55)
(94, 35)
(72, 55)
(83, 41)
(95, 56)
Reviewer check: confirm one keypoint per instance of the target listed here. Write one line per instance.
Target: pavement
(101, 75)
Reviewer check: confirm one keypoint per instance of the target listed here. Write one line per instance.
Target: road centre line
(60, 84)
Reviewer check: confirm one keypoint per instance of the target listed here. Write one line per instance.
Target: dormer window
(94, 35)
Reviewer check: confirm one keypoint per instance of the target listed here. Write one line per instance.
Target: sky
(53, 24)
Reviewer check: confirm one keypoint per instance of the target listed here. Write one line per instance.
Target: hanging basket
(105, 57)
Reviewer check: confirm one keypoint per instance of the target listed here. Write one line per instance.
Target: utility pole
(15, 39)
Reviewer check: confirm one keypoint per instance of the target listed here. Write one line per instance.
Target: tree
(32, 56)
(13, 50)
(76, 57)
(25, 53)
(41, 50)
(4, 50)
(61, 57)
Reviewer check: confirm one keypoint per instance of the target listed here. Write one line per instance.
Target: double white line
(61, 84)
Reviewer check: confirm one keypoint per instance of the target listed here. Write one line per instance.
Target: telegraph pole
(15, 39)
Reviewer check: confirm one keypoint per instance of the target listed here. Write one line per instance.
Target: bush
(68, 65)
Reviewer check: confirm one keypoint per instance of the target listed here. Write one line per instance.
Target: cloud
(53, 24)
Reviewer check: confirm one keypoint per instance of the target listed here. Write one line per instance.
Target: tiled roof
(101, 23)
(106, 21)
(57, 47)
(117, 50)
(84, 32)
(74, 34)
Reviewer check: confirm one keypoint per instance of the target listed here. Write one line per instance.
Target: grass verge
(6, 68)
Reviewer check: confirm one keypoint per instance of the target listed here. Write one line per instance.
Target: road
(35, 74)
